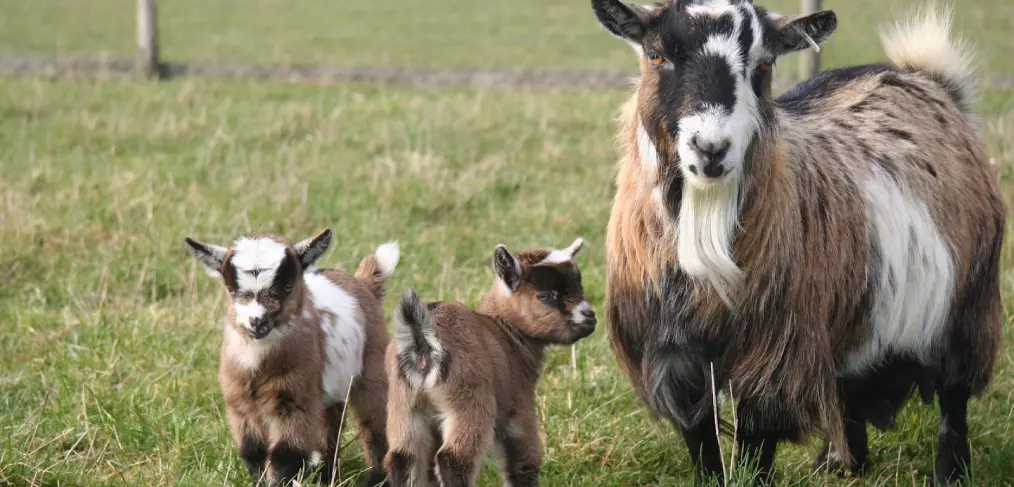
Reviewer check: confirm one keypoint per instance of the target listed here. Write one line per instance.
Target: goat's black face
(261, 274)
(705, 75)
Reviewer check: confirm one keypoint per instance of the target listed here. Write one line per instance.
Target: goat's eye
(548, 296)
(764, 67)
(656, 59)
(288, 288)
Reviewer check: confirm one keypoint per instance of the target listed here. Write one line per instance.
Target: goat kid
(827, 251)
(463, 380)
(295, 338)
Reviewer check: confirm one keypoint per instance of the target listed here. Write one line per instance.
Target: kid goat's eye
(547, 296)
(288, 288)
(656, 59)
(764, 67)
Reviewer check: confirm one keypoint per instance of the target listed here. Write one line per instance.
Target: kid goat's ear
(311, 249)
(792, 33)
(575, 247)
(210, 256)
(507, 267)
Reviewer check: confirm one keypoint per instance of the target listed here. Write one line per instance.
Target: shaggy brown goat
(826, 251)
(462, 380)
(295, 337)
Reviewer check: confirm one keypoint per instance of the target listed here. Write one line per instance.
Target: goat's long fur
(869, 232)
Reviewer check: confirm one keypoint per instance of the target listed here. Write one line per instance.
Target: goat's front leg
(297, 438)
(249, 438)
(521, 446)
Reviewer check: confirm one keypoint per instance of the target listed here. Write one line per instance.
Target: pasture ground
(110, 331)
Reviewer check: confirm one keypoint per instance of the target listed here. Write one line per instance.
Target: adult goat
(824, 253)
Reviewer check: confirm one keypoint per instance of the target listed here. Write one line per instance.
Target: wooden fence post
(809, 59)
(147, 39)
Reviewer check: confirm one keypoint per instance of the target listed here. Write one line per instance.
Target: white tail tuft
(387, 257)
(923, 43)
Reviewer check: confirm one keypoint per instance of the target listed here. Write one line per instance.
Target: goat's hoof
(831, 463)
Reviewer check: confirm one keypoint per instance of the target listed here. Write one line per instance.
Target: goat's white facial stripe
(246, 311)
(726, 47)
(256, 261)
(713, 8)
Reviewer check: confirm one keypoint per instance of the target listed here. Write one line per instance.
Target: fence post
(809, 59)
(147, 39)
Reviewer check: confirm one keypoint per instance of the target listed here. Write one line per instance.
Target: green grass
(110, 331)
(560, 34)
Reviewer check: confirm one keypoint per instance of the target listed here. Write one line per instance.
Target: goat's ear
(507, 267)
(623, 20)
(792, 33)
(575, 247)
(311, 249)
(210, 256)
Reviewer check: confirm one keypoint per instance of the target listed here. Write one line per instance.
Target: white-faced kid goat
(463, 380)
(825, 252)
(295, 337)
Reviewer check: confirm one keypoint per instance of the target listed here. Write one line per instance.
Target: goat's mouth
(259, 332)
(582, 329)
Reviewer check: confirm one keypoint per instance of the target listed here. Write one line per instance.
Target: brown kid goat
(295, 337)
(462, 379)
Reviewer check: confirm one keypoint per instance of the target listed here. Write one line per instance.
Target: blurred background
(449, 125)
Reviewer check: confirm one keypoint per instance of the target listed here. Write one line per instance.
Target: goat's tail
(923, 43)
(374, 270)
(421, 356)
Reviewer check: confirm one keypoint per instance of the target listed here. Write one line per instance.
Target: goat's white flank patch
(916, 285)
(387, 256)
(708, 219)
(344, 335)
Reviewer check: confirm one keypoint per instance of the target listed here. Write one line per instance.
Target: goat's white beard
(708, 219)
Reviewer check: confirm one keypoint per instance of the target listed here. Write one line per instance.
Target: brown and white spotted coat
(295, 337)
(825, 252)
(463, 380)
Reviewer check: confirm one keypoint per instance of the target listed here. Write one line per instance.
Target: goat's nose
(255, 322)
(710, 151)
(588, 313)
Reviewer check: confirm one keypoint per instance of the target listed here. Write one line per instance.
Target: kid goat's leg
(412, 442)
(333, 417)
(297, 439)
(251, 444)
(369, 400)
(467, 432)
(522, 449)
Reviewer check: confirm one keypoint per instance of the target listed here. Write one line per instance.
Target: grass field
(560, 34)
(110, 332)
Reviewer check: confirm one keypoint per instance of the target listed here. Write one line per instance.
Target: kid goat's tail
(421, 357)
(377, 267)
